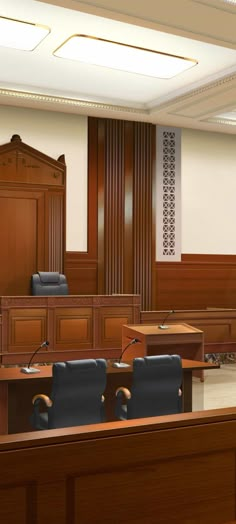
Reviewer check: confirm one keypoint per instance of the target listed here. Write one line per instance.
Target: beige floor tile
(217, 391)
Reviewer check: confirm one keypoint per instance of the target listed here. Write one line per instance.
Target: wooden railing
(174, 469)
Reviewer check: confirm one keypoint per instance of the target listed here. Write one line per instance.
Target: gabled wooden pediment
(20, 163)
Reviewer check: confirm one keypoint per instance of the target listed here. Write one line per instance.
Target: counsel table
(17, 390)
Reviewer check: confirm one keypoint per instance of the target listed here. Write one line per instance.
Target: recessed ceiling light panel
(21, 35)
(229, 115)
(123, 57)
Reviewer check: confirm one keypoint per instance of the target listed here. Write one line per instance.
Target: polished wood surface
(17, 390)
(22, 327)
(127, 151)
(32, 209)
(181, 339)
(121, 158)
(173, 469)
(75, 326)
(218, 325)
(196, 282)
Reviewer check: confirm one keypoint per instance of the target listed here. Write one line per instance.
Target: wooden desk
(17, 390)
(180, 339)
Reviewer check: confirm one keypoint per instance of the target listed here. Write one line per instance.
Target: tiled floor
(217, 391)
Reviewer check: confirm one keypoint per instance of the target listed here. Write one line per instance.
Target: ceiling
(203, 97)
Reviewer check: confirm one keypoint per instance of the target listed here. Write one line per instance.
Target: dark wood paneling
(218, 326)
(32, 193)
(120, 201)
(81, 273)
(22, 235)
(56, 232)
(142, 214)
(199, 281)
(190, 482)
(75, 326)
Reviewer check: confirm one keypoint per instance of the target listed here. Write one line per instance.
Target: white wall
(55, 134)
(208, 192)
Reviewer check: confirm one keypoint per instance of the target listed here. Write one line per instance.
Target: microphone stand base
(163, 326)
(120, 365)
(28, 371)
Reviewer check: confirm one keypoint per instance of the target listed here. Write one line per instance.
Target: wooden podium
(178, 339)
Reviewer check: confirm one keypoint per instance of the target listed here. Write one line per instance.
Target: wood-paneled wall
(173, 469)
(197, 282)
(120, 218)
(32, 215)
(121, 230)
(121, 225)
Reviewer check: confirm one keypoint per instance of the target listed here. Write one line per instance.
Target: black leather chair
(156, 388)
(49, 283)
(76, 397)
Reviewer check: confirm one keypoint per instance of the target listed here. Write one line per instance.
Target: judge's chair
(76, 397)
(155, 389)
(49, 283)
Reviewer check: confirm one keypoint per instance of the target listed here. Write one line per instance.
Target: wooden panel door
(21, 239)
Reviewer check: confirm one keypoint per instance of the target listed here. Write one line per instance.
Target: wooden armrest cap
(125, 391)
(45, 399)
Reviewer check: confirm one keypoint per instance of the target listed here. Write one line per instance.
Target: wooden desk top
(173, 329)
(11, 374)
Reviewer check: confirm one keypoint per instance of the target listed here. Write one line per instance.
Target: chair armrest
(124, 391)
(45, 399)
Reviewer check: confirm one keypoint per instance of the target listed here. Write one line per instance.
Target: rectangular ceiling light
(230, 115)
(123, 57)
(21, 35)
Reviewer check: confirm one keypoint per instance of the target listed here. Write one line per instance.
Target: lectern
(181, 339)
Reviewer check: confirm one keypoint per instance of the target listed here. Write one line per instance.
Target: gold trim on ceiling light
(12, 40)
(132, 59)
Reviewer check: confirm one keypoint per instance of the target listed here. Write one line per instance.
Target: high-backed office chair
(155, 390)
(49, 283)
(76, 397)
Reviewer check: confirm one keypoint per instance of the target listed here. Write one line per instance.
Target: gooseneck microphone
(120, 364)
(164, 325)
(28, 369)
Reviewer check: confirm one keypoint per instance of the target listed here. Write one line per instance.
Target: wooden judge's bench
(99, 326)
(75, 326)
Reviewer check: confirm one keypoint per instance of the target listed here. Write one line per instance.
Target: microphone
(120, 364)
(164, 325)
(28, 369)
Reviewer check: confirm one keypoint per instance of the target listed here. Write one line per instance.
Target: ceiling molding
(41, 98)
(195, 93)
(221, 121)
(218, 4)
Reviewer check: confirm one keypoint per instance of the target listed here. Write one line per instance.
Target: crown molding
(195, 92)
(221, 121)
(64, 101)
(218, 4)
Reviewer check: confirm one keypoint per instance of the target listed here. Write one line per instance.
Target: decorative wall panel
(75, 326)
(168, 183)
(56, 232)
(125, 220)
(142, 212)
(32, 189)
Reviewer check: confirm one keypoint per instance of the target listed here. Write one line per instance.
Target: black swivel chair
(49, 283)
(155, 390)
(76, 398)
